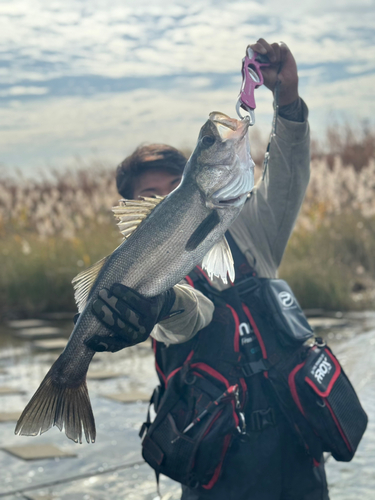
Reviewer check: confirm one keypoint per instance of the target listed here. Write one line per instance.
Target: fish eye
(208, 140)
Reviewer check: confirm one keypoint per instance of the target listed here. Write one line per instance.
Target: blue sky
(93, 79)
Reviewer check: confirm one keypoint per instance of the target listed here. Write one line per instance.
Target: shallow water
(112, 467)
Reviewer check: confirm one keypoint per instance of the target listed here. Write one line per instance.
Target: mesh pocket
(348, 411)
(327, 399)
(191, 456)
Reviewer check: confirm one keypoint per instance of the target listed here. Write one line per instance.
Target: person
(270, 464)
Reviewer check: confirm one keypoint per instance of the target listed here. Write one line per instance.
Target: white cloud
(79, 38)
(23, 91)
(54, 130)
(112, 125)
(61, 38)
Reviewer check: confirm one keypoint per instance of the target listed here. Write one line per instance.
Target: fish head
(221, 162)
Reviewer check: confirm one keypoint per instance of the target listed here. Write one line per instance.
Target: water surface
(112, 467)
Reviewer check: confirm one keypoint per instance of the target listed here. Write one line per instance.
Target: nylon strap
(241, 265)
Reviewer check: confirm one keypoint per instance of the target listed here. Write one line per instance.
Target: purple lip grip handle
(252, 78)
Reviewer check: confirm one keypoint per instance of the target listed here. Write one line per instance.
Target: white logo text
(322, 370)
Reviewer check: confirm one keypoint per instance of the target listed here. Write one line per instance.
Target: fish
(164, 239)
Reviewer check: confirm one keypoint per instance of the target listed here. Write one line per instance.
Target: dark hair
(147, 157)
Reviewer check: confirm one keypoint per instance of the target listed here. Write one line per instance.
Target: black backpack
(198, 413)
(203, 390)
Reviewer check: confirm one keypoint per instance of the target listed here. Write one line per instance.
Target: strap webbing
(241, 265)
(249, 369)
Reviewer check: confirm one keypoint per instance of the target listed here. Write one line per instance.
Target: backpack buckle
(250, 369)
(261, 419)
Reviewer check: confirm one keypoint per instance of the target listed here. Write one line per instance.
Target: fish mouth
(229, 128)
(235, 192)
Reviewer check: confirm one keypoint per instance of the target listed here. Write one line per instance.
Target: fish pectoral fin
(219, 261)
(83, 282)
(132, 212)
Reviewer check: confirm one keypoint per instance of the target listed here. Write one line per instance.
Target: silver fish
(164, 240)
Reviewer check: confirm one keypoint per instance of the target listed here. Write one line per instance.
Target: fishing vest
(257, 361)
(228, 344)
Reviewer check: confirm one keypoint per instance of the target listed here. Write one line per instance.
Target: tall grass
(51, 229)
(329, 260)
(331, 265)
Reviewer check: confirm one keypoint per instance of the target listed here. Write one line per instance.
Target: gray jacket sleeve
(265, 224)
(197, 313)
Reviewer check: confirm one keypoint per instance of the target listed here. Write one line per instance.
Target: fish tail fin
(60, 405)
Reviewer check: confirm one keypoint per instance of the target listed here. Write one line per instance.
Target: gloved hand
(283, 68)
(129, 316)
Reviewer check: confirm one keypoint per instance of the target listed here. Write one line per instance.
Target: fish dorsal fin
(83, 282)
(219, 261)
(132, 212)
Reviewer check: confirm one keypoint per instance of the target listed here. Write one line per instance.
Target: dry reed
(51, 229)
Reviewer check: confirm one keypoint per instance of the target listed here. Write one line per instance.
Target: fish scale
(167, 244)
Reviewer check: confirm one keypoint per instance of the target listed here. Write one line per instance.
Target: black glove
(129, 316)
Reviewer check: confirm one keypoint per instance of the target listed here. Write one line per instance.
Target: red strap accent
(191, 353)
(216, 474)
(212, 423)
(190, 281)
(158, 369)
(237, 329)
(292, 386)
(237, 348)
(316, 463)
(211, 371)
(256, 331)
(172, 374)
(203, 273)
(244, 392)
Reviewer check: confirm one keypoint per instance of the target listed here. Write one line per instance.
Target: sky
(92, 79)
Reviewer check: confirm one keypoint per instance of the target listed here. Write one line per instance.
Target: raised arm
(264, 226)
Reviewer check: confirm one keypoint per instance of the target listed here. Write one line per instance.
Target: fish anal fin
(218, 261)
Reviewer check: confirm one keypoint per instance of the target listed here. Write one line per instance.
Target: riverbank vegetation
(52, 229)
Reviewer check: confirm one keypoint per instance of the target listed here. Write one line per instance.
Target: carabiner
(252, 78)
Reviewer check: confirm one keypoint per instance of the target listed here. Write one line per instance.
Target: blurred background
(81, 85)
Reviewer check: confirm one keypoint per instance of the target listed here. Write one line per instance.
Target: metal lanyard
(273, 130)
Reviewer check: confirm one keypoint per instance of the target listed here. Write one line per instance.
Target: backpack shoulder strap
(242, 267)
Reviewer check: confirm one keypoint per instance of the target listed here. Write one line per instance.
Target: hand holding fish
(128, 316)
(282, 67)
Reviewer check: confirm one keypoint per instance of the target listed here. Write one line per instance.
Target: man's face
(155, 182)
